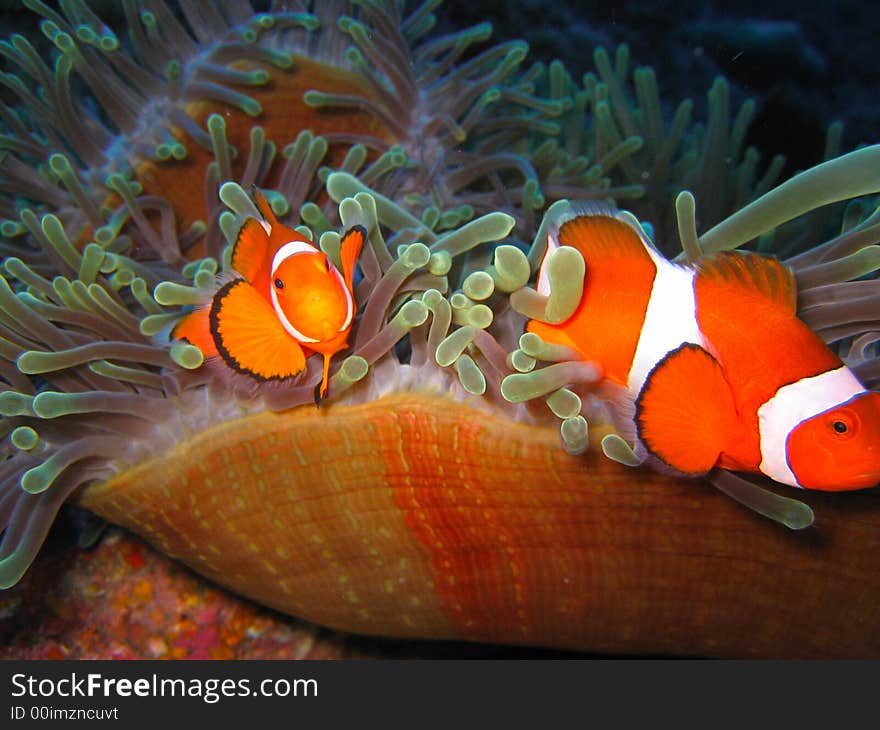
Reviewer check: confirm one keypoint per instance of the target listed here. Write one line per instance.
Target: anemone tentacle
(838, 297)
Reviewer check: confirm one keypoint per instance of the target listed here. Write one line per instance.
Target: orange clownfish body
(718, 367)
(287, 301)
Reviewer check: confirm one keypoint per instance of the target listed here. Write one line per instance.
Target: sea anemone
(419, 500)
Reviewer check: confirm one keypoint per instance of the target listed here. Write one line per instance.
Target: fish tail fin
(195, 328)
(602, 234)
(620, 267)
(616, 251)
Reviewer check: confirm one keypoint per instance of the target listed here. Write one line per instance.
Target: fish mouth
(847, 482)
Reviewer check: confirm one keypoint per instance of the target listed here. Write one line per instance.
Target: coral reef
(122, 601)
(123, 181)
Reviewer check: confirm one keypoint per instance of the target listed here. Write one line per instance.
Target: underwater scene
(385, 328)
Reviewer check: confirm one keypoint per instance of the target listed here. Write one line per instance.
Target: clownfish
(715, 368)
(285, 301)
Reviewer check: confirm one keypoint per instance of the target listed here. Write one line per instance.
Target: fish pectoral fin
(250, 254)
(248, 335)
(750, 272)
(196, 329)
(349, 250)
(685, 412)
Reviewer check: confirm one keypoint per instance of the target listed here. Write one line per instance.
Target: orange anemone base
(284, 115)
(413, 516)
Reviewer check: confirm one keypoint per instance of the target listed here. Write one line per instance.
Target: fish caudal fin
(349, 250)
(250, 254)
(602, 237)
(685, 411)
(248, 335)
(619, 275)
(196, 329)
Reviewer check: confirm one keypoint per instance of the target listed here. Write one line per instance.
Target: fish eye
(843, 423)
(279, 284)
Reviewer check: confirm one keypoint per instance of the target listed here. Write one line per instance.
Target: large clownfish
(286, 301)
(716, 368)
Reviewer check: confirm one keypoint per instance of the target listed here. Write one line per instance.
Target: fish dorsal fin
(248, 335)
(752, 272)
(685, 413)
(250, 254)
(349, 250)
(264, 207)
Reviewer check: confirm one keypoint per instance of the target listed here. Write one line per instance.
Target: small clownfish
(287, 301)
(715, 367)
